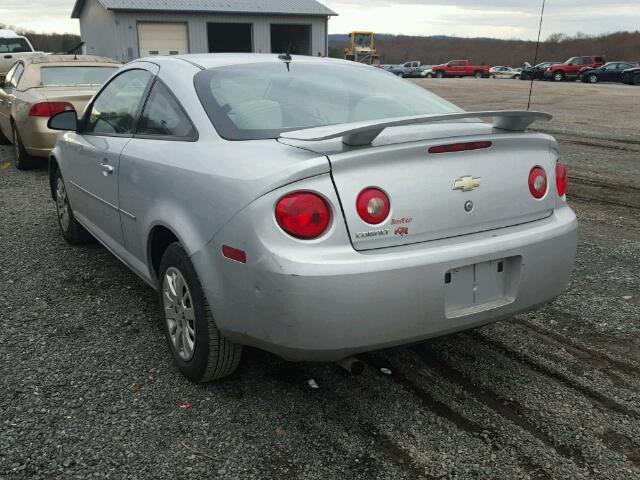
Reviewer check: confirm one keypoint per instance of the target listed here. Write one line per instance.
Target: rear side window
(17, 74)
(14, 45)
(163, 115)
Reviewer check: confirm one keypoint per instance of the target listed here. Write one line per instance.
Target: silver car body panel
(333, 296)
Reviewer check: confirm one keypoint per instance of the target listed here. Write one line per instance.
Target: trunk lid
(420, 185)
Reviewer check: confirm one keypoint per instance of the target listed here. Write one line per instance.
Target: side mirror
(67, 121)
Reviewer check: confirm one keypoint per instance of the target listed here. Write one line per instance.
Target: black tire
(477, 74)
(636, 79)
(4, 140)
(439, 74)
(592, 78)
(516, 77)
(72, 231)
(214, 356)
(558, 77)
(21, 159)
(429, 75)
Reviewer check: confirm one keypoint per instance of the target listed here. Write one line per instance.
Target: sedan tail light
(538, 182)
(562, 179)
(373, 205)
(303, 215)
(49, 109)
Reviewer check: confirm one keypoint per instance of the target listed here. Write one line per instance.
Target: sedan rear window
(72, 76)
(257, 101)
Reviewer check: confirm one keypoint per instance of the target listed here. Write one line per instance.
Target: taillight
(562, 179)
(538, 182)
(303, 215)
(459, 147)
(49, 109)
(373, 205)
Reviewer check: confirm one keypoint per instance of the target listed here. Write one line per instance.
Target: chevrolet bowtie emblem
(466, 183)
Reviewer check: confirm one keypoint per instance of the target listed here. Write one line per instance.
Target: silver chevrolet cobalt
(310, 207)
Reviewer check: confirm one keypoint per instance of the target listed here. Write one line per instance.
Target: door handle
(106, 169)
(8, 56)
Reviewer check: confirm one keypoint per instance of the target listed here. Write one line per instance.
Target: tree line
(490, 51)
(47, 42)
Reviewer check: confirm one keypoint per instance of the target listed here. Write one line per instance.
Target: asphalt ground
(87, 388)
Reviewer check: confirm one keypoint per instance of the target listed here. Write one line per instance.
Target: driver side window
(114, 112)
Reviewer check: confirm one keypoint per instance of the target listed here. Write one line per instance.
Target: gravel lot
(87, 387)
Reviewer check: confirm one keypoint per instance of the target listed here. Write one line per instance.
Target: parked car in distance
(264, 214)
(570, 69)
(427, 71)
(408, 69)
(504, 72)
(631, 76)
(13, 47)
(609, 72)
(535, 72)
(39, 86)
(460, 68)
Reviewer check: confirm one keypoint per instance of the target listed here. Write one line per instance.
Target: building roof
(287, 7)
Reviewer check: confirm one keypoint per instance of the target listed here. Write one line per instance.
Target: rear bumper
(38, 140)
(344, 302)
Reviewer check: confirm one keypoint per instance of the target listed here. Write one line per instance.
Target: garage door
(162, 39)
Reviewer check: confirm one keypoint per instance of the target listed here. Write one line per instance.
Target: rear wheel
(558, 76)
(3, 140)
(516, 76)
(22, 160)
(72, 231)
(199, 350)
(636, 79)
(478, 74)
(440, 74)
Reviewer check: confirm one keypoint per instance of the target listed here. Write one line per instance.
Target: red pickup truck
(569, 70)
(460, 68)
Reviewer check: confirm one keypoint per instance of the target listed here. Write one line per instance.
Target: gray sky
(464, 18)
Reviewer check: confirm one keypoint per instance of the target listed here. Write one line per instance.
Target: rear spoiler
(364, 133)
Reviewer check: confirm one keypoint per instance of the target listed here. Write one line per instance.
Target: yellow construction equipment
(362, 48)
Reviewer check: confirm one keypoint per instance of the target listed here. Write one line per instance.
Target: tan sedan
(40, 86)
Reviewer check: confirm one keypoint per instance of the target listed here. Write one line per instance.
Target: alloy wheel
(62, 205)
(179, 313)
(593, 79)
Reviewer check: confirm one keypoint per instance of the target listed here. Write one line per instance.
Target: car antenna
(286, 57)
(74, 50)
(535, 60)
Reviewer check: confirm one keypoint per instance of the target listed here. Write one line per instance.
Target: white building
(129, 29)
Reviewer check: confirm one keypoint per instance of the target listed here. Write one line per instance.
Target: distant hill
(490, 51)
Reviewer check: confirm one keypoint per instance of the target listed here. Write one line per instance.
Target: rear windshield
(257, 101)
(65, 76)
(14, 45)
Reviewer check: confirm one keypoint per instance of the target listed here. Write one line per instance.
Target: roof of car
(40, 59)
(215, 60)
(289, 7)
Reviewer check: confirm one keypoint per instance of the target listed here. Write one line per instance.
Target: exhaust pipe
(352, 365)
